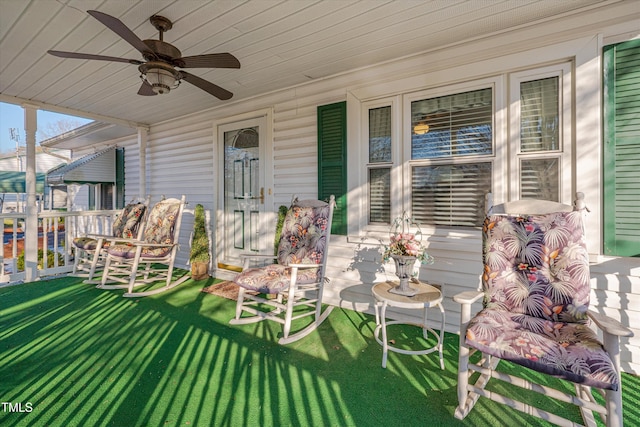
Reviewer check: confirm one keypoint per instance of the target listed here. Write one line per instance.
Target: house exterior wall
(181, 159)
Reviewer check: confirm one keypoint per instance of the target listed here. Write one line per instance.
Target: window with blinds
(379, 175)
(380, 196)
(450, 195)
(452, 125)
(540, 179)
(447, 130)
(539, 117)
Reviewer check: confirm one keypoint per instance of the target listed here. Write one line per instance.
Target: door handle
(262, 195)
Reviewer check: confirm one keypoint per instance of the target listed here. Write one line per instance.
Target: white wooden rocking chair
(140, 262)
(90, 250)
(297, 280)
(535, 313)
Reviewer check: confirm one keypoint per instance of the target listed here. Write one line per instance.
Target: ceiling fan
(158, 70)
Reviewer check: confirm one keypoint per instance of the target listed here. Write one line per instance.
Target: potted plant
(199, 257)
(405, 248)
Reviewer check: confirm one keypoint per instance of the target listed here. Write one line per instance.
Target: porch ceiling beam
(72, 112)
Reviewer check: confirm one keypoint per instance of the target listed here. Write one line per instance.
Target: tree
(52, 129)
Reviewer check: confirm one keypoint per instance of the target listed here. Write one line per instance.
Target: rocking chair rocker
(297, 280)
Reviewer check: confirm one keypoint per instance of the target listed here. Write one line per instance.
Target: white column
(142, 159)
(31, 229)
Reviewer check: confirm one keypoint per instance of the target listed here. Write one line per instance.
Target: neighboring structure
(523, 114)
(12, 190)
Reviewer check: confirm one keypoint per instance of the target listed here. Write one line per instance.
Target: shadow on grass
(82, 356)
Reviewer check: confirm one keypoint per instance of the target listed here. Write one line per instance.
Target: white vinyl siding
(181, 159)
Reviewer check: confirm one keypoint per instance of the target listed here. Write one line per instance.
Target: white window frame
(564, 152)
(395, 165)
(496, 157)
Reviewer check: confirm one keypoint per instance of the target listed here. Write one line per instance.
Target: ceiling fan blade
(75, 55)
(146, 89)
(209, 87)
(116, 25)
(211, 60)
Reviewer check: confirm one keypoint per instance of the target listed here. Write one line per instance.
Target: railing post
(31, 226)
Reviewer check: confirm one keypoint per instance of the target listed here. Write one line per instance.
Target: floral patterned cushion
(567, 350)
(160, 228)
(537, 283)
(274, 278)
(86, 243)
(302, 241)
(125, 225)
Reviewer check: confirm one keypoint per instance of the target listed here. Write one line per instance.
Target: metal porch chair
(535, 313)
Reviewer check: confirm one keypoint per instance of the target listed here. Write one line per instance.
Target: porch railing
(56, 231)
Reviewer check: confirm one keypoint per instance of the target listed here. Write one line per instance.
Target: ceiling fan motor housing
(162, 50)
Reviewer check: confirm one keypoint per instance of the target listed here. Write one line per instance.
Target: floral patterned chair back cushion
(303, 240)
(159, 228)
(162, 221)
(304, 233)
(537, 265)
(127, 223)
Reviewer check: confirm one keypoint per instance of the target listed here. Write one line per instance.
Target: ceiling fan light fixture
(160, 76)
(421, 128)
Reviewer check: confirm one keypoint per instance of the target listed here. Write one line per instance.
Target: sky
(12, 117)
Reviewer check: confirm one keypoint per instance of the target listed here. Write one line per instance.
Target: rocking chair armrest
(153, 245)
(127, 240)
(468, 297)
(465, 299)
(609, 325)
(257, 256)
(304, 265)
(99, 236)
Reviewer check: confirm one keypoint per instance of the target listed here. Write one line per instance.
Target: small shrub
(200, 242)
(50, 259)
(282, 213)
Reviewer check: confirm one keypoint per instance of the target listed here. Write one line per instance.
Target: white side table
(427, 296)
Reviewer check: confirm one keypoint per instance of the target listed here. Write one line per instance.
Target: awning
(14, 182)
(96, 168)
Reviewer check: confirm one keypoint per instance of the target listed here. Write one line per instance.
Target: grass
(77, 356)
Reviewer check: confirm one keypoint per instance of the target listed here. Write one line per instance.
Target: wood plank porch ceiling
(279, 44)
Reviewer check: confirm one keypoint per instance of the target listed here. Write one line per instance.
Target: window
(459, 142)
(449, 136)
(380, 161)
(622, 149)
(537, 112)
(452, 126)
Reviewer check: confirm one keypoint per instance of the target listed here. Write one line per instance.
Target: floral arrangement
(405, 243)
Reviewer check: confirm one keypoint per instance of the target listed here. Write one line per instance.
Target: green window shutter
(622, 149)
(332, 161)
(120, 178)
(92, 196)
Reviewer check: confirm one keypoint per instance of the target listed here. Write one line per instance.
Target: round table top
(426, 295)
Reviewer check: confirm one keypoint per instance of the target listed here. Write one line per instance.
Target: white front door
(243, 190)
